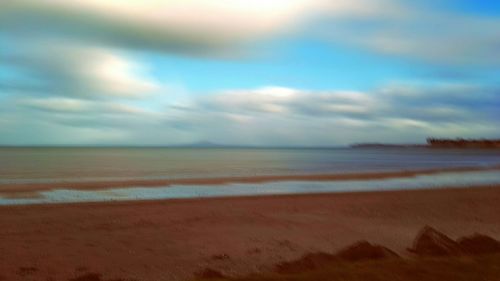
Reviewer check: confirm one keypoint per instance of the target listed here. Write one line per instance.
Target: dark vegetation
(439, 143)
(477, 268)
(435, 257)
(463, 143)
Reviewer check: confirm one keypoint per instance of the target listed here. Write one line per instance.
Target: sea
(47, 165)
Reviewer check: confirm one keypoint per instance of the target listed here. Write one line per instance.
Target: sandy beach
(171, 239)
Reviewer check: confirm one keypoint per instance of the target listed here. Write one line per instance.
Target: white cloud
(280, 100)
(183, 26)
(285, 116)
(64, 69)
(57, 104)
(424, 34)
(113, 74)
(82, 106)
(227, 27)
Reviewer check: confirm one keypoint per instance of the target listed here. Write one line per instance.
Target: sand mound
(363, 250)
(430, 242)
(478, 244)
(209, 273)
(305, 263)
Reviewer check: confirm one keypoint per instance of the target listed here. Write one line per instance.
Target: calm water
(39, 165)
(80, 164)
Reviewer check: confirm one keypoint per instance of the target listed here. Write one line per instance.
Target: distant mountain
(203, 144)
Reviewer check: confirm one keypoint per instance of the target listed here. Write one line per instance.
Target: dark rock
(209, 273)
(363, 250)
(28, 270)
(96, 277)
(307, 262)
(254, 251)
(87, 277)
(479, 244)
(220, 257)
(430, 242)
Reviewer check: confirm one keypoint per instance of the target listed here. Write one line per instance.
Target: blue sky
(283, 72)
(296, 62)
(480, 7)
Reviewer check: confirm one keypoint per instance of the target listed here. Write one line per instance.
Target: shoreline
(15, 189)
(172, 239)
(284, 196)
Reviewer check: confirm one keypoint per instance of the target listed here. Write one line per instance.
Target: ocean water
(69, 165)
(26, 165)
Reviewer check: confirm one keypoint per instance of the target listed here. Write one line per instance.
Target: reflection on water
(463, 179)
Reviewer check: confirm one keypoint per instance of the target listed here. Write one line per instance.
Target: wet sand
(171, 239)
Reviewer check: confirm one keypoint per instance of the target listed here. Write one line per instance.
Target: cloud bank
(188, 26)
(264, 116)
(227, 27)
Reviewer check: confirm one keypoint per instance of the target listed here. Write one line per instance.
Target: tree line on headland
(463, 143)
(439, 143)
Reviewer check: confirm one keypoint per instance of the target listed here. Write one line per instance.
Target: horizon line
(352, 145)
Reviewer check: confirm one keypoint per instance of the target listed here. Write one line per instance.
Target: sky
(237, 72)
